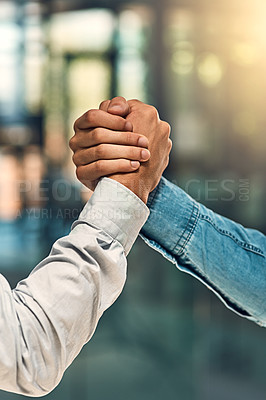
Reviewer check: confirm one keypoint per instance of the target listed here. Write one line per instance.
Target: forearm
(225, 256)
(48, 318)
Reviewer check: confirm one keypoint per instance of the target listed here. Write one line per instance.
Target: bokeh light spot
(210, 69)
(246, 53)
(183, 58)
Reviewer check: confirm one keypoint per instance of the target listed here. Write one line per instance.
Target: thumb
(119, 106)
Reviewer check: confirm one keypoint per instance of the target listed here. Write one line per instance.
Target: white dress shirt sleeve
(47, 319)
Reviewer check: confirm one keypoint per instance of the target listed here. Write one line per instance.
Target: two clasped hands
(125, 141)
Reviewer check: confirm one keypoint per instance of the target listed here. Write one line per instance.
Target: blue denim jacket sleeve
(228, 258)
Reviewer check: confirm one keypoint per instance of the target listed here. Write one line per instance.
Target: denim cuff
(173, 217)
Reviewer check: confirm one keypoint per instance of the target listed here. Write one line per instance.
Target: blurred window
(90, 30)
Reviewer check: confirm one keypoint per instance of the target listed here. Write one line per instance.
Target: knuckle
(166, 128)
(170, 145)
(136, 102)
(96, 134)
(90, 115)
(74, 159)
(72, 143)
(76, 124)
(129, 138)
(99, 151)
(99, 166)
(79, 173)
(152, 111)
(104, 104)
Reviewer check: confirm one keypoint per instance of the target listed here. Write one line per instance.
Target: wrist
(133, 183)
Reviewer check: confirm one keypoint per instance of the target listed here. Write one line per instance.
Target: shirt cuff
(173, 217)
(117, 211)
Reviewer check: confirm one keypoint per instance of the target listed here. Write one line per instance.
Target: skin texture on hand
(104, 144)
(145, 120)
(113, 142)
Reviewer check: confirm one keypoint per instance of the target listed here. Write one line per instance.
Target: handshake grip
(125, 141)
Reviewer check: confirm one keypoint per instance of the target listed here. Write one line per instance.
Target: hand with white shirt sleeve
(46, 320)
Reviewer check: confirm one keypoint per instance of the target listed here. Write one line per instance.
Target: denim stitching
(153, 194)
(246, 246)
(193, 222)
(196, 208)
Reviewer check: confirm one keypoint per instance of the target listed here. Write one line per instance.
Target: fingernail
(128, 126)
(145, 154)
(115, 107)
(135, 164)
(143, 142)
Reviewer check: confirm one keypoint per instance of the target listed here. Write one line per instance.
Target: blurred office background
(202, 63)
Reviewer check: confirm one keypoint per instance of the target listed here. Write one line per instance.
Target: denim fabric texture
(228, 258)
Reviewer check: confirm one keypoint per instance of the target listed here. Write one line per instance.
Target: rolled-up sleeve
(47, 319)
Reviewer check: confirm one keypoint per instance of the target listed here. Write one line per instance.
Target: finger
(103, 136)
(139, 105)
(98, 118)
(110, 152)
(119, 106)
(98, 169)
(104, 105)
(135, 103)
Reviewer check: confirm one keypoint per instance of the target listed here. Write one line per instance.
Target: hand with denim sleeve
(225, 256)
